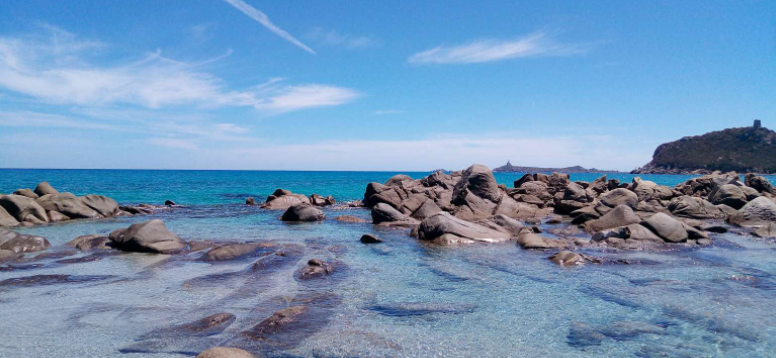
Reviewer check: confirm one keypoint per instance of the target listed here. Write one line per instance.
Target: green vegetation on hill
(749, 149)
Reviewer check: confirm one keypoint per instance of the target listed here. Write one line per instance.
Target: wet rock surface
(150, 236)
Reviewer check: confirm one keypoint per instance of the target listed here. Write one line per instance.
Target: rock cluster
(45, 204)
(282, 199)
(469, 206)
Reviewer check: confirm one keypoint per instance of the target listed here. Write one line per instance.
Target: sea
(400, 298)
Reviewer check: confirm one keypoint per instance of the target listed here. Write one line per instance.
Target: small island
(509, 168)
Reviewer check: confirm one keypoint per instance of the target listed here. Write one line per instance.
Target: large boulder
(150, 236)
(68, 204)
(695, 208)
(378, 193)
(26, 192)
(103, 205)
(758, 212)
(303, 212)
(45, 188)
(668, 228)
(383, 212)
(24, 209)
(477, 194)
(622, 215)
(730, 195)
(6, 219)
(427, 209)
(646, 190)
(283, 199)
(759, 183)
(444, 228)
(619, 196)
(573, 197)
(477, 180)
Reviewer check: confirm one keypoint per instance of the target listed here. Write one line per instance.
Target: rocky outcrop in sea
(469, 206)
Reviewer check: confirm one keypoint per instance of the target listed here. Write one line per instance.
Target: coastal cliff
(747, 149)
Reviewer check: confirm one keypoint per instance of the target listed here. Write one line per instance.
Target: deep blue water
(398, 299)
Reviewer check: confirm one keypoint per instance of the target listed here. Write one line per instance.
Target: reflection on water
(397, 299)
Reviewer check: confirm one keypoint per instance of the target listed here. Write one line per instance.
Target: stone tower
(757, 124)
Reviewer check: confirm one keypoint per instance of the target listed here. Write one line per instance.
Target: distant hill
(509, 168)
(748, 149)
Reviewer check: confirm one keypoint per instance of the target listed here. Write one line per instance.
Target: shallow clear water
(397, 299)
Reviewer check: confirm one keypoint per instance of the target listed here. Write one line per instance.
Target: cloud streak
(57, 70)
(537, 44)
(263, 19)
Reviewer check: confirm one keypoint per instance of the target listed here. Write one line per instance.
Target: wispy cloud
(201, 32)
(57, 69)
(537, 44)
(336, 39)
(291, 98)
(20, 119)
(262, 18)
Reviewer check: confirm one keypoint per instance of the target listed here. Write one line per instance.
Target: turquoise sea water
(401, 298)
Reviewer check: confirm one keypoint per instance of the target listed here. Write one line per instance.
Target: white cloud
(333, 38)
(55, 69)
(292, 98)
(262, 18)
(538, 44)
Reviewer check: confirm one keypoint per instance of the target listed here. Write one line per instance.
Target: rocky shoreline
(570, 223)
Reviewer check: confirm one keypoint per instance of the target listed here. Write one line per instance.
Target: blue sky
(375, 85)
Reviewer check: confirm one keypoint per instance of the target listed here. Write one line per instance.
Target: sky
(375, 85)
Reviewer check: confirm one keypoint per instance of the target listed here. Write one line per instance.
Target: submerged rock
(532, 241)
(285, 329)
(19, 243)
(350, 219)
(317, 269)
(207, 326)
(370, 239)
(47, 280)
(224, 352)
(405, 309)
(150, 236)
(237, 251)
(91, 242)
(569, 258)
